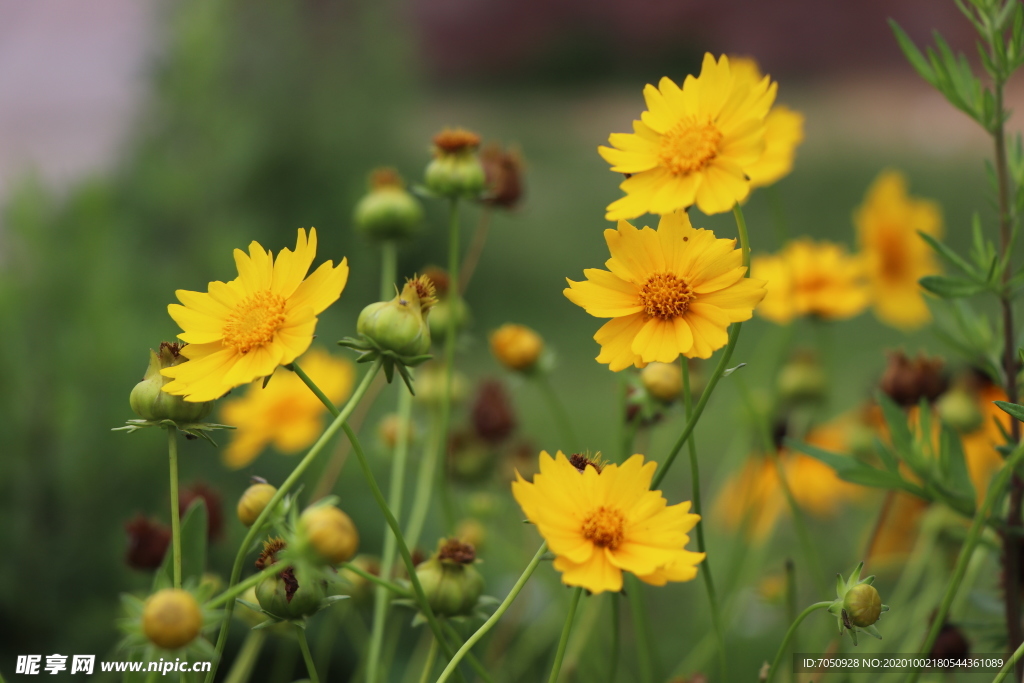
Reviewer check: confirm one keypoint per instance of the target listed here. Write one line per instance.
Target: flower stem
(613, 667)
(388, 269)
(172, 451)
(474, 663)
(705, 571)
(449, 360)
(995, 492)
(564, 639)
(641, 629)
(425, 481)
(242, 586)
(383, 583)
(293, 478)
(723, 362)
(304, 646)
(428, 666)
(560, 413)
(493, 619)
(476, 249)
(1010, 663)
(789, 635)
(245, 662)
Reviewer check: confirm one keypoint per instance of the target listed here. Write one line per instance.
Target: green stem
(568, 433)
(564, 639)
(723, 362)
(293, 478)
(242, 586)
(393, 587)
(641, 629)
(304, 646)
(388, 269)
(245, 662)
(789, 636)
(1003, 673)
(172, 451)
(428, 666)
(995, 492)
(474, 663)
(705, 571)
(449, 361)
(791, 598)
(613, 667)
(493, 619)
(425, 480)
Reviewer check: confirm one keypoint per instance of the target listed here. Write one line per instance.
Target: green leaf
(896, 422)
(912, 54)
(948, 255)
(956, 477)
(194, 527)
(950, 287)
(854, 471)
(1014, 410)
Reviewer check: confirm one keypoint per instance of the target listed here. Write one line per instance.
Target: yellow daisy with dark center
(244, 329)
(602, 521)
(693, 145)
(670, 291)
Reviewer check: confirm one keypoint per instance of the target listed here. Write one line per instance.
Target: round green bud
(253, 501)
(171, 618)
(450, 582)
(400, 325)
(802, 380)
(388, 211)
(331, 533)
(445, 308)
(456, 170)
(863, 605)
(150, 402)
(285, 598)
(960, 410)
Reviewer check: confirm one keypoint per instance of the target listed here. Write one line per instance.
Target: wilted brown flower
(214, 509)
(503, 169)
(147, 543)
(493, 416)
(455, 550)
(908, 380)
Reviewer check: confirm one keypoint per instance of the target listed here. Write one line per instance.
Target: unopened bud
(456, 170)
(450, 582)
(517, 347)
(331, 533)
(663, 381)
(389, 428)
(863, 605)
(150, 402)
(389, 211)
(171, 618)
(253, 501)
(399, 325)
(959, 409)
(802, 380)
(448, 306)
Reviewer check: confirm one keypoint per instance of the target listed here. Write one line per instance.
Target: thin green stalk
(293, 478)
(791, 599)
(242, 586)
(245, 662)
(995, 492)
(705, 571)
(172, 452)
(425, 480)
(564, 640)
(447, 504)
(304, 646)
(1000, 677)
(388, 269)
(474, 663)
(641, 629)
(568, 433)
(372, 578)
(613, 667)
(493, 619)
(789, 635)
(396, 487)
(723, 362)
(428, 666)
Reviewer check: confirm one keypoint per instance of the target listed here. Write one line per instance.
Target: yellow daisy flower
(671, 291)
(783, 133)
(285, 412)
(601, 521)
(887, 225)
(811, 278)
(243, 329)
(693, 144)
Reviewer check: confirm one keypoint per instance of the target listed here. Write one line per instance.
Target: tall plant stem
(493, 619)
(172, 453)
(723, 361)
(995, 492)
(304, 646)
(789, 635)
(428, 666)
(388, 269)
(705, 570)
(563, 641)
(293, 478)
(613, 667)
(476, 249)
(245, 662)
(641, 628)
(1003, 673)
(444, 422)
(568, 434)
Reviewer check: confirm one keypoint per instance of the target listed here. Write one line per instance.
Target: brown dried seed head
(454, 550)
(455, 140)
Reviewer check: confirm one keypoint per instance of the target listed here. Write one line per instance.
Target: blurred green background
(264, 117)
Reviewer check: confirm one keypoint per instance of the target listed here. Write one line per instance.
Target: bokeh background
(141, 141)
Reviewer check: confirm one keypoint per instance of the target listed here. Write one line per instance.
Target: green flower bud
(388, 211)
(171, 618)
(863, 605)
(283, 597)
(150, 402)
(450, 582)
(663, 381)
(456, 170)
(253, 501)
(400, 325)
(959, 409)
(802, 380)
(445, 308)
(331, 532)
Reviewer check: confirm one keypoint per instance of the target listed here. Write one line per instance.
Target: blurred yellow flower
(669, 292)
(285, 413)
(517, 347)
(983, 460)
(784, 131)
(601, 521)
(245, 328)
(811, 278)
(887, 225)
(693, 144)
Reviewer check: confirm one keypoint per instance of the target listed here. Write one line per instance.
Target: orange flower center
(254, 321)
(892, 261)
(689, 146)
(666, 296)
(604, 527)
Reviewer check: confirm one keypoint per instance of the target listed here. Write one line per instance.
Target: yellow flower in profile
(784, 131)
(285, 412)
(811, 278)
(888, 223)
(669, 292)
(693, 144)
(243, 329)
(601, 521)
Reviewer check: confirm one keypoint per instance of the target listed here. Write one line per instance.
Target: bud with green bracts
(450, 582)
(388, 211)
(857, 606)
(456, 170)
(150, 402)
(285, 598)
(399, 325)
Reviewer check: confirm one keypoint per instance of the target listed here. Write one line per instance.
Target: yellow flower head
(887, 225)
(693, 144)
(245, 328)
(285, 412)
(601, 521)
(784, 131)
(811, 278)
(671, 291)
